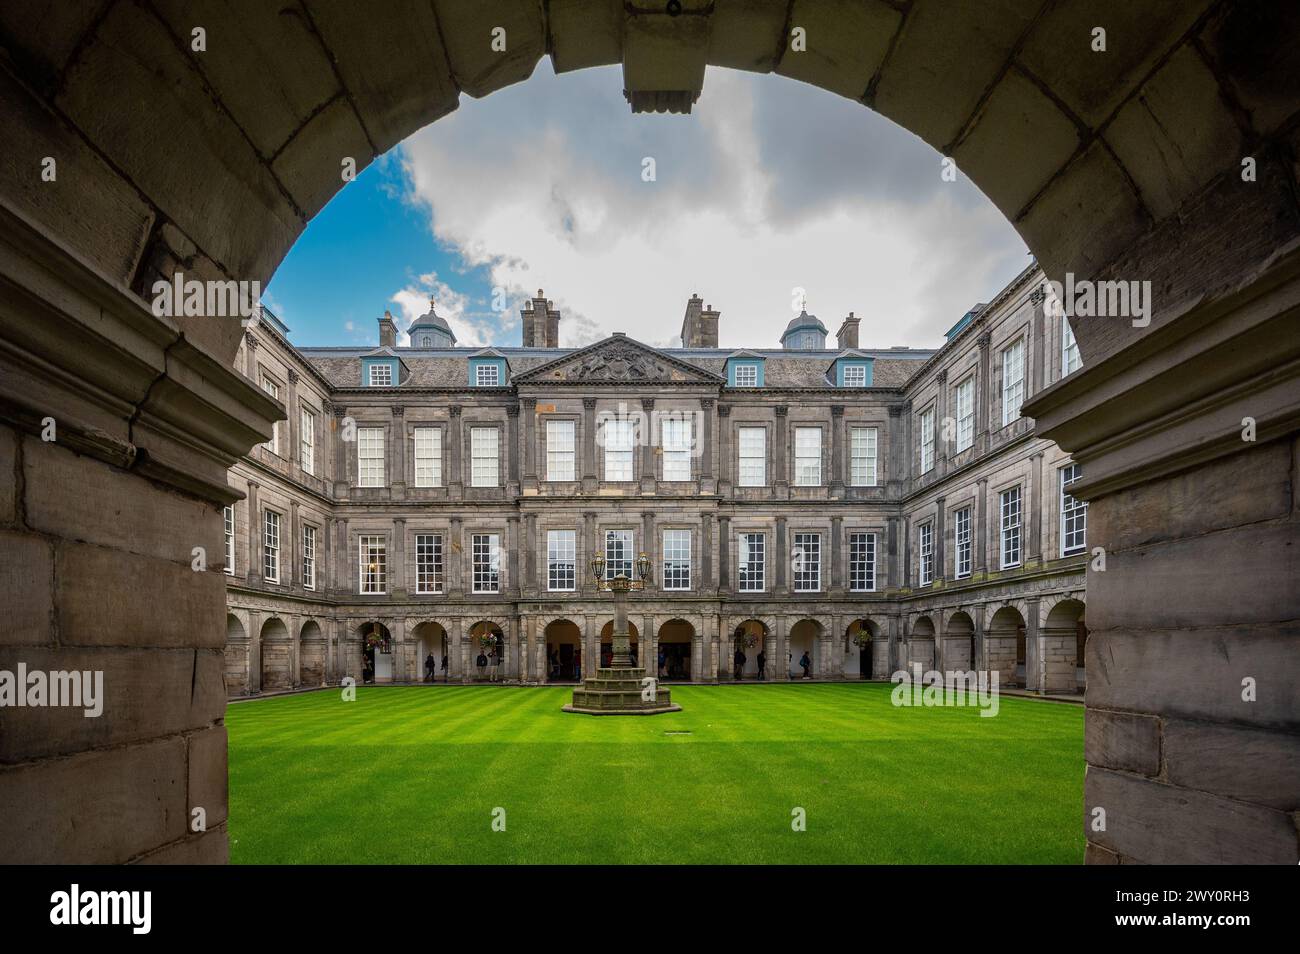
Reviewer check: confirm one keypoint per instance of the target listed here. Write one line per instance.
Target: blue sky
(767, 187)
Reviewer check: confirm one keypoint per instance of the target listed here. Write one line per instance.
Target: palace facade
(869, 507)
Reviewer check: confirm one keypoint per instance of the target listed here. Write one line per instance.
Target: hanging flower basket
(373, 640)
(747, 640)
(862, 640)
(488, 640)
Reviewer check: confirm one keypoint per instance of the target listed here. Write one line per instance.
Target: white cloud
(767, 186)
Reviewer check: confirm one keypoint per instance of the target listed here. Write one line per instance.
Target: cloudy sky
(767, 187)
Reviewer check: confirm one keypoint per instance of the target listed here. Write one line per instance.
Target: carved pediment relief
(618, 360)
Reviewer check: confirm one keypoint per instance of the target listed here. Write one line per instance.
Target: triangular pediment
(618, 360)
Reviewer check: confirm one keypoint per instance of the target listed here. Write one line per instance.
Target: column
(514, 589)
(594, 546)
(724, 554)
(456, 438)
(530, 583)
(781, 558)
(939, 575)
(906, 576)
(291, 572)
(648, 441)
(529, 411)
(1038, 332)
(1034, 538)
(254, 536)
(455, 557)
(1033, 651)
(893, 552)
(293, 426)
(895, 475)
(781, 471)
(650, 546)
(254, 651)
(837, 559)
(837, 450)
(980, 531)
(250, 357)
(400, 589)
(707, 582)
(777, 658)
(589, 481)
(345, 580)
(725, 479)
(326, 581)
(397, 453)
(983, 394)
(697, 657)
(400, 672)
(512, 450)
(707, 484)
(343, 440)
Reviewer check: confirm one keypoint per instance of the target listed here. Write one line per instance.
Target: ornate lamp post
(621, 689)
(620, 586)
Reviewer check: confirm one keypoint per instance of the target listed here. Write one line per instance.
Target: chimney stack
(848, 333)
(708, 333)
(691, 322)
(387, 331)
(541, 322)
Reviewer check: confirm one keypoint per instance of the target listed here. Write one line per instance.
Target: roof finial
(803, 302)
(432, 303)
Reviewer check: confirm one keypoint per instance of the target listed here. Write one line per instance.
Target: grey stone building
(870, 508)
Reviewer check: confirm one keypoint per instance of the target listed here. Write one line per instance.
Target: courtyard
(416, 775)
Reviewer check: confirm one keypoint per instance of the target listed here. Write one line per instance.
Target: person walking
(430, 667)
(762, 664)
(444, 667)
(806, 663)
(739, 660)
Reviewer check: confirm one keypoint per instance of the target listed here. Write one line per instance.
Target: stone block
(1176, 133)
(585, 33)
(745, 34)
(41, 37)
(8, 476)
(1091, 83)
(311, 165)
(1249, 765)
(1086, 217)
(394, 67)
(1243, 575)
(88, 205)
(1254, 53)
(1153, 823)
(26, 580)
(946, 57)
(95, 808)
(1200, 673)
(124, 511)
(1097, 855)
(846, 43)
(98, 599)
(1246, 488)
(210, 848)
(1122, 740)
(263, 61)
(190, 159)
(147, 693)
(207, 774)
(467, 31)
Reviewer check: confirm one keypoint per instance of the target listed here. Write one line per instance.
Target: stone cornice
(124, 385)
(1176, 397)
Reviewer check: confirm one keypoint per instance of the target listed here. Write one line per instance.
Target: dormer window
(855, 376)
(746, 375)
(381, 376)
(487, 376)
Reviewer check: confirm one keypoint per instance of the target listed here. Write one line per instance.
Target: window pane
(926, 553)
(808, 456)
(862, 457)
(307, 427)
(483, 454)
(1013, 381)
(752, 562)
(962, 539)
(619, 437)
(370, 457)
(753, 456)
(807, 562)
(965, 414)
(486, 553)
(373, 552)
(428, 457)
(560, 453)
(428, 563)
(1074, 514)
(677, 560)
(561, 559)
(271, 546)
(309, 557)
(862, 562)
(1010, 508)
(677, 448)
(618, 553)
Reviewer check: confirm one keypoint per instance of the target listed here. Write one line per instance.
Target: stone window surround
(354, 551)
(355, 455)
(503, 562)
(882, 458)
(1020, 481)
(657, 567)
(1006, 334)
(733, 544)
(317, 549)
(731, 467)
(468, 424)
(409, 427)
(791, 465)
(951, 509)
(425, 527)
(578, 439)
(880, 566)
(295, 437)
(823, 549)
(280, 575)
(932, 408)
(639, 449)
(578, 561)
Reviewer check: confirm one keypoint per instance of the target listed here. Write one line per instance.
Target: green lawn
(413, 774)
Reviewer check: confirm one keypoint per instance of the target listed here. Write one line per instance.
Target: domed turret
(805, 332)
(431, 330)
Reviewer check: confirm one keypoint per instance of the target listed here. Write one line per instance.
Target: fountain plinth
(621, 688)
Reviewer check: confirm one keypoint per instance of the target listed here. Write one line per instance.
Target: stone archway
(1004, 642)
(564, 656)
(276, 656)
(311, 654)
(959, 649)
(920, 643)
(1061, 647)
(431, 639)
(804, 637)
(236, 656)
(859, 645)
(1127, 166)
(750, 636)
(676, 641)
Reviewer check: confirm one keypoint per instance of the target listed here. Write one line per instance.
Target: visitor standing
(739, 661)
(806, 663)
(430, 667)
(481, 662)
(762, 664)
